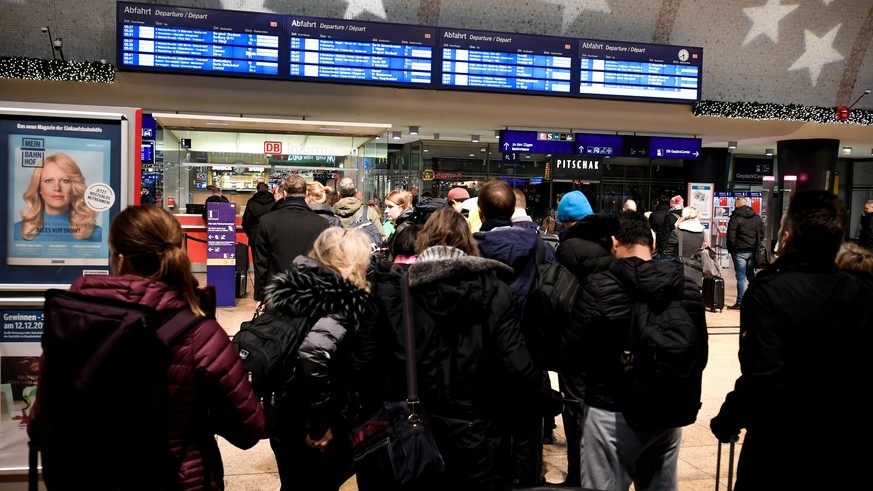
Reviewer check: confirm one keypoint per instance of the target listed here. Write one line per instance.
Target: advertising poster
(19, 367)
(62, 181)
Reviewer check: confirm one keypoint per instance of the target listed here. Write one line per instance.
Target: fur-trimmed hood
(432, 267)
(309, 288)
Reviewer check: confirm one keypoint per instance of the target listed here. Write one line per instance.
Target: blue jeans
(745, 269)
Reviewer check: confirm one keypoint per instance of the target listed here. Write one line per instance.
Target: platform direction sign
(515, 141)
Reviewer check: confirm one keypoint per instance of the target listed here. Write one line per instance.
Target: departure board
(640, 71)
(187, 40)
(360, 52)
(481, 60)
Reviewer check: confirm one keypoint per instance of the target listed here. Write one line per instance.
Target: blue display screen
(639, 71)
(506, 62)
(185, 40)
(364, 52)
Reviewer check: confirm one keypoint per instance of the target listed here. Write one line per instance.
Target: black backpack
(266, 344)
(366, 225)
(548, 309)
(662, 368)
(103, 396)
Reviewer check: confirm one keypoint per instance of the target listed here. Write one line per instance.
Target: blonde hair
(315, 191)
(690, 212)
(150, 239)
(345, 251)
(853, 257)
(83, 220)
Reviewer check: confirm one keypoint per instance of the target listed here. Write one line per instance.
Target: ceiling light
(496, 133)
(213, 123)
(471, 155)
(474, 138)
(378, 137)
(768, 152)
(395, 135)
(413, 130)
(732, 145)
(847, 149)
(436, 136)
(330, 128)
(426, 150)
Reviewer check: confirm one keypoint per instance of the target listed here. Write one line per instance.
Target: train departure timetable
(361, 52)
(480, 60)
(184, 40)
(639, 71)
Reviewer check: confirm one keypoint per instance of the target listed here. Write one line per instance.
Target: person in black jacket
(656, 221)
(614, 455)
(216, 197)
(285, 233)
(258, 205)
(745, 231)
(316, 411)
(865, 227)
(803, 328)
(584, 248)
(473, 365)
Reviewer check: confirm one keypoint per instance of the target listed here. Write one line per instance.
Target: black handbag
(394, 448)
(762, 255)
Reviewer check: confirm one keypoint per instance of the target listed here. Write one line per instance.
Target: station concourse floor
(255, 469)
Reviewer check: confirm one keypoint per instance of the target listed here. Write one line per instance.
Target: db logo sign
(272, 148)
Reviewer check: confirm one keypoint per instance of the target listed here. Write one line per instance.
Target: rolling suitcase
(730, 478)
(713, 293)
(242, 269)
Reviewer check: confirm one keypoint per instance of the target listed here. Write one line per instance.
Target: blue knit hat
(573, 207)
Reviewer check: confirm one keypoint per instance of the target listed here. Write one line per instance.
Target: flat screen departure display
(363, 52)
(481, 60)
(639, 71)
(155, 37)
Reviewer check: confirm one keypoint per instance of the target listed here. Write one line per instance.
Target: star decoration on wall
(358, 7)
(819, 52)
(572, 9)
(765, 20)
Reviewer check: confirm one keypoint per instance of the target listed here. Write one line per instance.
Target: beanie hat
(573, 207)
(457, 194)
(676, 202)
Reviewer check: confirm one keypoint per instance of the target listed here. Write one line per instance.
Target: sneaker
(735, 306)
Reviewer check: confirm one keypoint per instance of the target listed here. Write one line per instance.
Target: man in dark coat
(803, 328)
(613, 454)
(745, 231)
(285, 233)
(656, 220)
(258, 205)
(584, 249)
(216, 197)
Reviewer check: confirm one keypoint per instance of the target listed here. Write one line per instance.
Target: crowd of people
(482, 379)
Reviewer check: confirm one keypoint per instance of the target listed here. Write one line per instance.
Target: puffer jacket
(473, 365)
(745, 230)
(597, 335)
(692, 234)
(802, 326)
(319, 397)
(205, 374)
(585, 247)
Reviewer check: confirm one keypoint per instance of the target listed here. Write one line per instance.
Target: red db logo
(272, 148)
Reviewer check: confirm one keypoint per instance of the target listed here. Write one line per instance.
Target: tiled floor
(255, 469)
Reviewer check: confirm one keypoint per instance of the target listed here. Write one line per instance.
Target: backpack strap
(176, 325)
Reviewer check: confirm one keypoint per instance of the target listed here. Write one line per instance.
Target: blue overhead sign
(605, 145)
(674, 148)
(512, 141)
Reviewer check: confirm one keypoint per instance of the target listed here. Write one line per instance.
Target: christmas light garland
(72, 71)
(790, 112)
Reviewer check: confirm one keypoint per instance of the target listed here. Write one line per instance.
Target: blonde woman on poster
(56, 204)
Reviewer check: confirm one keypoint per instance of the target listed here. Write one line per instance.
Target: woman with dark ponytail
(208, 389)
